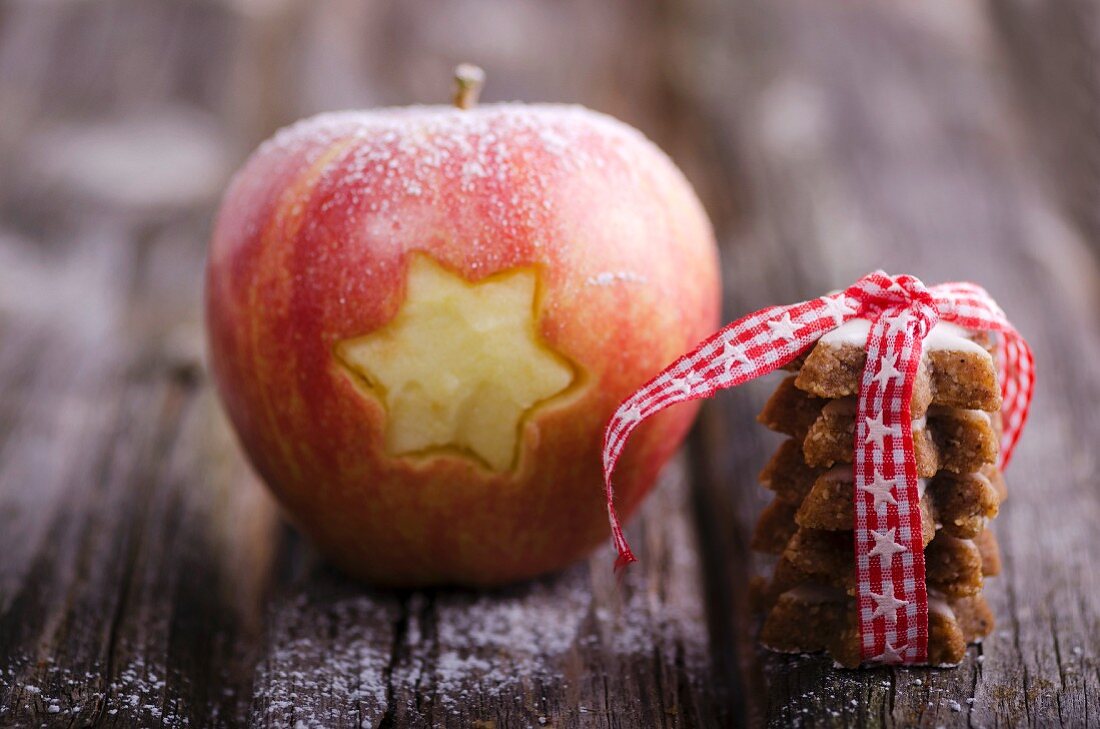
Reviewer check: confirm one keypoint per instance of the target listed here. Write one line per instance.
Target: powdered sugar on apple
(402, 157)
(612, 277)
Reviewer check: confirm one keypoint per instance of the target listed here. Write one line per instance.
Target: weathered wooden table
(145, 577)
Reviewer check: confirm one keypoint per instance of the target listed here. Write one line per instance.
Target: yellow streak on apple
(461, 364)
(272, 265)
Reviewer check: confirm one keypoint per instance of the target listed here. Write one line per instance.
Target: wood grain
(145, 575)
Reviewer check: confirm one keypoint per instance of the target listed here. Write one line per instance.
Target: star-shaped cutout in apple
(460, 365)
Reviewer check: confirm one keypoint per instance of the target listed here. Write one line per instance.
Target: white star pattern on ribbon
(885, 546)
(898, 323)
(631, 415)
(890, 654)
(838, 308)
(876, 431)
(887, 606)
(783, 327)
(684, 384)
(881, 489)
(887, 370)
(734, 354)
(896, 288)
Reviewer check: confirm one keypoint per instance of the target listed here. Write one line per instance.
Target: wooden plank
(872, 138)
(325, 660)
(58, 443)
(128, 591)
(568, 650)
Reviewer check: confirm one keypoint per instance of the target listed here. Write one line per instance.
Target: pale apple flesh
(605, 269)
(460, 365)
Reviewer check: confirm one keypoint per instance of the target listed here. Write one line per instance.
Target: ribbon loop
(879, 291)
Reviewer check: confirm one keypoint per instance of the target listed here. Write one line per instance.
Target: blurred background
(946, 138)
(127, 116)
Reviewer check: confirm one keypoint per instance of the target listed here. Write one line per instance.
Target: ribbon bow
(891, 589)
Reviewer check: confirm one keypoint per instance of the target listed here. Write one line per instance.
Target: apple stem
(468, 82)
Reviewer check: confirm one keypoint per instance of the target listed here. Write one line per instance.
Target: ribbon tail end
(624, 560)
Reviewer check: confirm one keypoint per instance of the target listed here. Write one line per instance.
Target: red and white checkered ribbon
(889, 550)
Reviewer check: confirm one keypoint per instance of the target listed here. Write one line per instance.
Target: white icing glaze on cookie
(853, 332)
(944, 336)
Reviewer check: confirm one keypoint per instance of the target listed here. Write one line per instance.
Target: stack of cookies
(809, 600)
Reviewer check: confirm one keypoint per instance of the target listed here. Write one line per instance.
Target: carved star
(459, 365)
(734, 354)
(887, 370)
(838, 308)
(885, 546)
(898, 323)
(890, 654)
(783, 327)
(882, 489)
(887, 606)
(876, 431)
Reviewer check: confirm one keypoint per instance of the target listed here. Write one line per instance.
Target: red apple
(420, 321)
